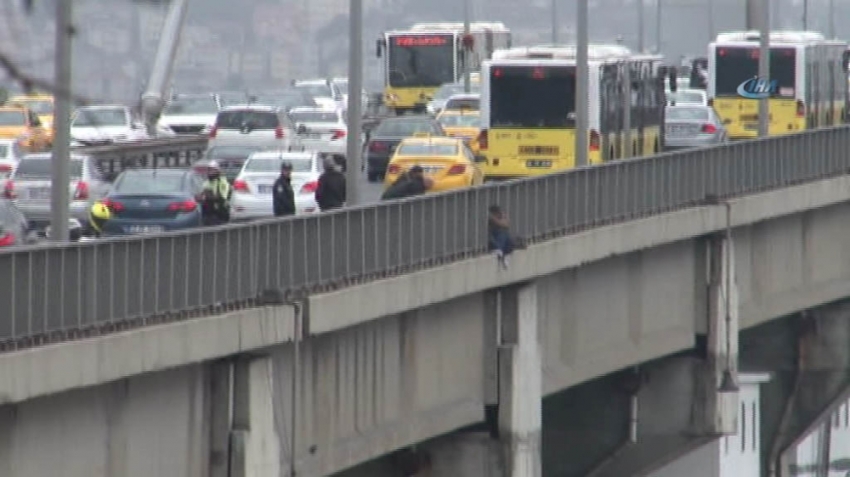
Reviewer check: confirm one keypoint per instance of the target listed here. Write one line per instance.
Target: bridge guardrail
(58, 292)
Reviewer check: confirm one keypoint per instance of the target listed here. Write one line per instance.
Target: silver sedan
(692, 126)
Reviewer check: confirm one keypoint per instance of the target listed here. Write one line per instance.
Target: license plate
(265, 189)
(431, 169)
(144, 229)
(313, 136)
(676, 131)
(40, 193)
(538, 163)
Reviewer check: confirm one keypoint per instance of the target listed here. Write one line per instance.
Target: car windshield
(461, 120)
(240, 119)
(314, 117)
(695, 114)
(316, 90)
(99, 117)
(38, 106)
(425, 149)
(463, 103)
(195, 105)
(686, 97)
(230, 152)
(40, 168)
(148, 182)
(404, 128)
(12, 118)
(272, 164)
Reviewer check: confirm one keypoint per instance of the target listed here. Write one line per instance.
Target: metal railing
(166, 152)
(51, 293)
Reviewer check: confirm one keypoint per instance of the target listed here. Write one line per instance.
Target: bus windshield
(532, 97)
(735, 65)
(421, 60)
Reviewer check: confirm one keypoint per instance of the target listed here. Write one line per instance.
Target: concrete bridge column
(716, 402)
(520, 384)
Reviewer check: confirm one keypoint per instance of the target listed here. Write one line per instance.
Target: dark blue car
(146, 201)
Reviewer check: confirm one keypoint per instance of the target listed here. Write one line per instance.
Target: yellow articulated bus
(528, 100)
(807, 87)
(419, 60)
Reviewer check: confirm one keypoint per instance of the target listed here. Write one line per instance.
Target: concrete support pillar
(717, 401)
(520, 383)
(221, 417)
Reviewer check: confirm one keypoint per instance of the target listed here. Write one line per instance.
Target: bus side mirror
(379, 48)
(673, 79)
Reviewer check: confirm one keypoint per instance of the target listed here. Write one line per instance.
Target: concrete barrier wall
(149, 425)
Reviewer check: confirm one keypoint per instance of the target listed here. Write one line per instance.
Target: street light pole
(355, 102)
(60, 176)
(764, 64)
(806, 15)
(832, 19)
(466, 56)
(641, 25)
(657, 26)
(581, 112)
(554, 22)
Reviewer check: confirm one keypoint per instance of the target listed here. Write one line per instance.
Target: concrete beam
(62, 367)
(369, 301)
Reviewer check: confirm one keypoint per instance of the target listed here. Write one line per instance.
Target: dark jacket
(283, 197)
(405, 186)
(330, 192)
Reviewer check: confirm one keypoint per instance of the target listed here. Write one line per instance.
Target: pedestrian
(409, 184)
(330, 192)
(283, 197)
(499, 235)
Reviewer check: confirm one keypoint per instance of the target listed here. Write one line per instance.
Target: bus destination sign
(421, 40)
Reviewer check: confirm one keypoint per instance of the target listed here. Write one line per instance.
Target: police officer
(99, 214)
(283, 197)
(215, 198)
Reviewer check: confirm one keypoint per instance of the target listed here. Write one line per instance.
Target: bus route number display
(420, 40)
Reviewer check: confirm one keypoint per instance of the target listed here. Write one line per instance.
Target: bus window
(420, 60)
(736, 65)
(532, 97)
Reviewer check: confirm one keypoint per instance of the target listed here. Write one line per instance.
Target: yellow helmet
(100, 211)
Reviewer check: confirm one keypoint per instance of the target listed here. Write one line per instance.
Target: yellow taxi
(461, 123)
(40, 104)
(446, 160)
(21, 124)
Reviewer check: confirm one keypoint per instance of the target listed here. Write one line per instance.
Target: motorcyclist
(99, 214)
(215, 198)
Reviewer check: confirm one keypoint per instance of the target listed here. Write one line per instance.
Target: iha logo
(757, 88)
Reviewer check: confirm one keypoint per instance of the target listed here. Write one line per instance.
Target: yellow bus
(528, 108)
(807, 84)
(419, 60)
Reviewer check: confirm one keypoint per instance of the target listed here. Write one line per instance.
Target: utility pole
(581, 84)
(806, 15)
(467, 87)
(641, 25)
(710, 16)
(831, 19)
(355, 106)
(60, 176)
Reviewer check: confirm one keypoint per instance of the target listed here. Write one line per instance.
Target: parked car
(146, 201)
(190, 113)
(692, 126)
(30, 186)
(252, 189)
(253, 125)
(321, 130)
(383, 140)
(10, 154)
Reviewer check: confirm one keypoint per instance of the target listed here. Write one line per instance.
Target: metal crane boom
(154, 97)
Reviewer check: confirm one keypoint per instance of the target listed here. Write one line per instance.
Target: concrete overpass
(338, 372)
